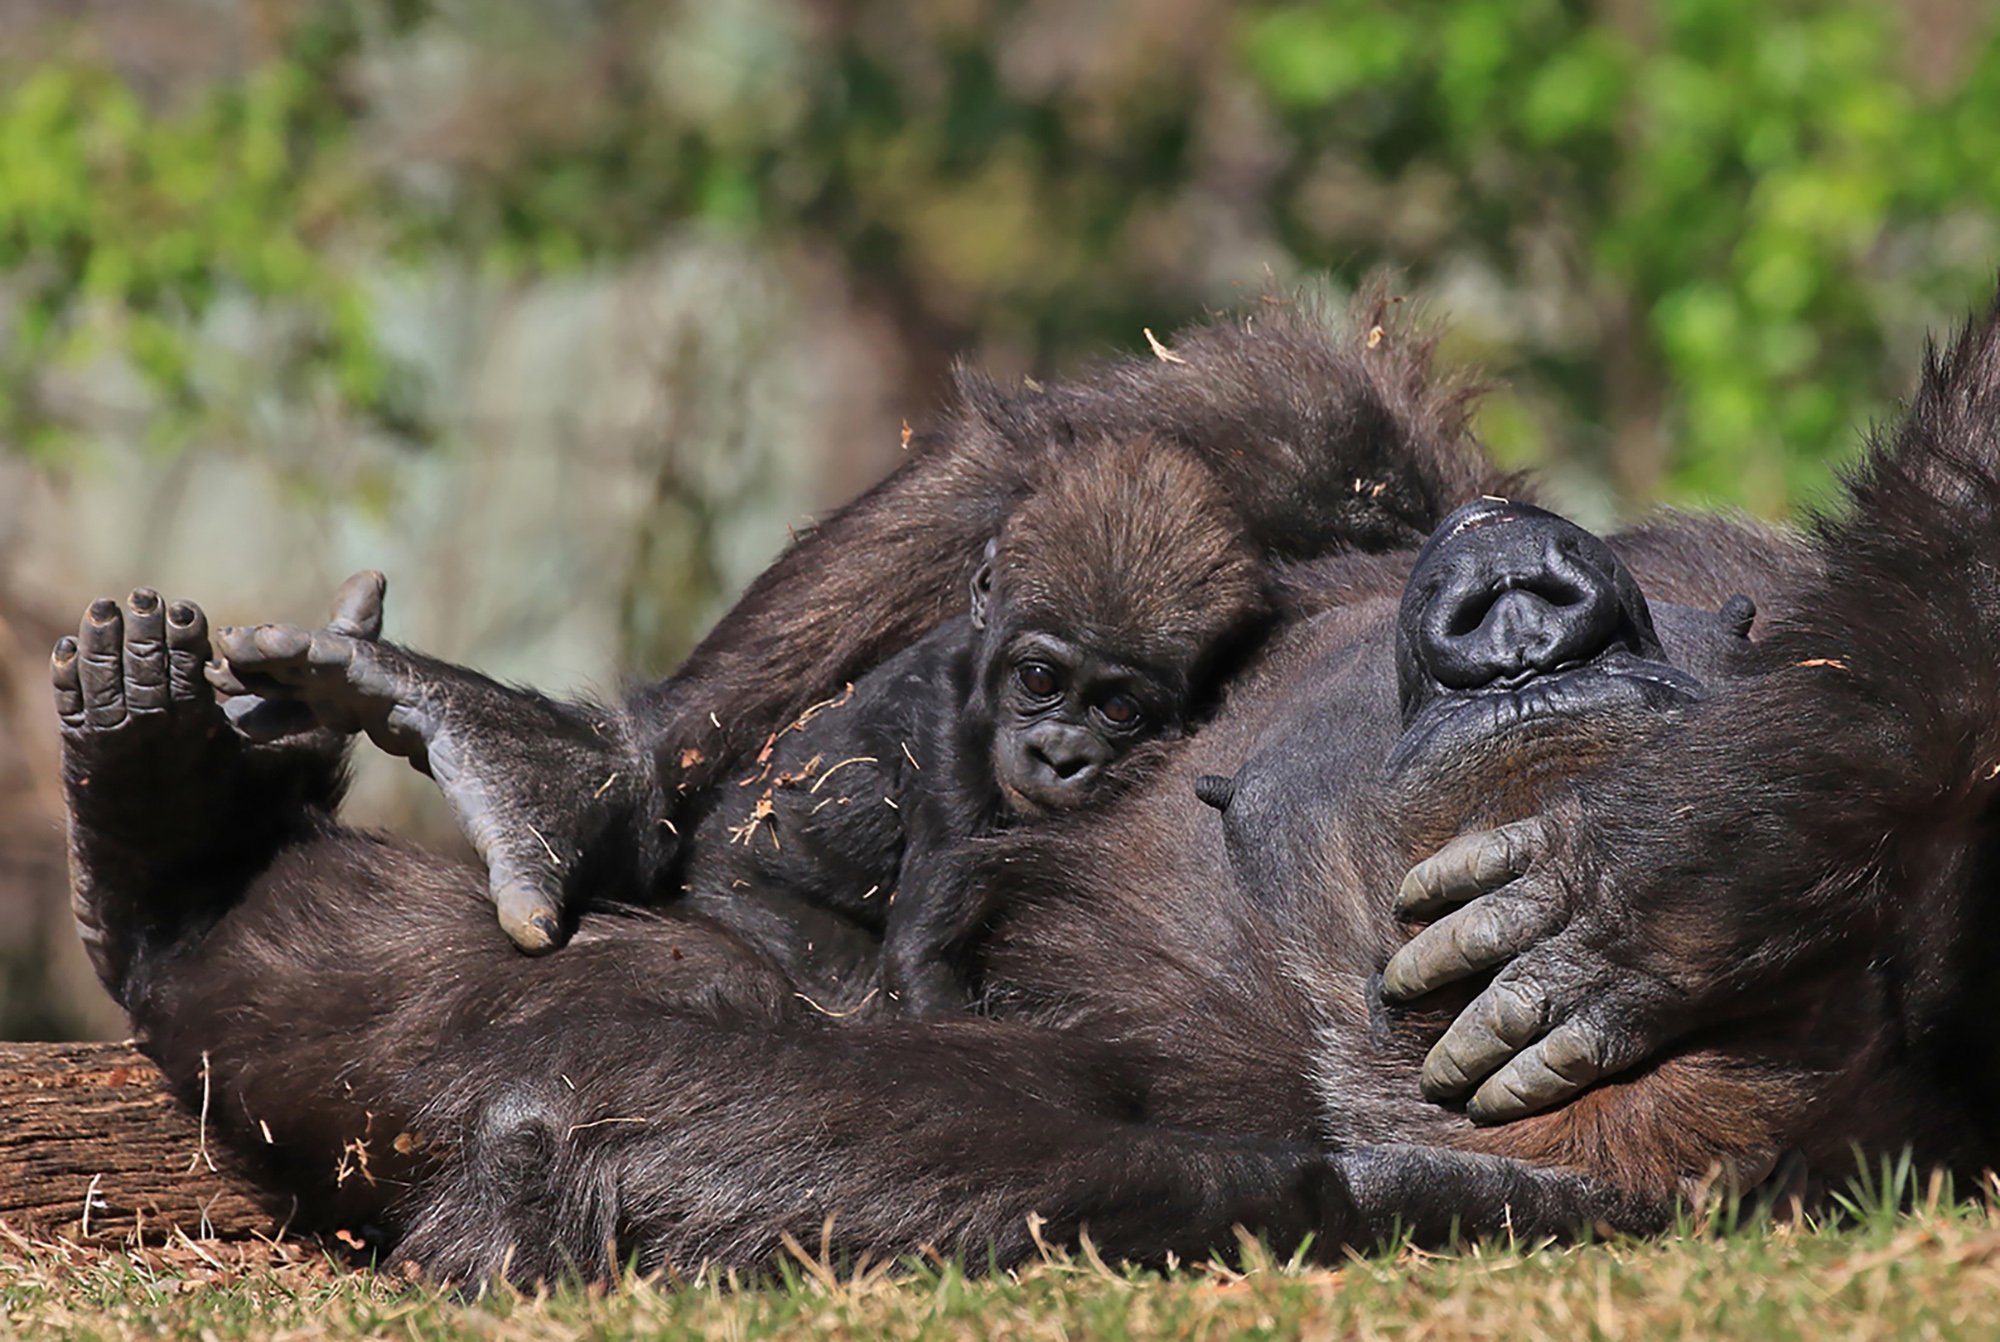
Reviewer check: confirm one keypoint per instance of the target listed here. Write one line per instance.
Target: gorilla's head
(1521, 654)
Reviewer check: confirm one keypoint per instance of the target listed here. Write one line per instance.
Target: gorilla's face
(1522, 653)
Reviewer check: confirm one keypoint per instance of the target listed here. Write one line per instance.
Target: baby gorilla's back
(805, 854)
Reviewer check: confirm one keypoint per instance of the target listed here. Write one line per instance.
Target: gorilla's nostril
(1467, 616)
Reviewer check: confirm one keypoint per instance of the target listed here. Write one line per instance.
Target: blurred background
(561, 312)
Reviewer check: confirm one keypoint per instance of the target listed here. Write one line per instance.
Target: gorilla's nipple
(1738, 613)
(1216, 790)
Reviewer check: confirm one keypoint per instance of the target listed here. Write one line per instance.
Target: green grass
(1870, 1270)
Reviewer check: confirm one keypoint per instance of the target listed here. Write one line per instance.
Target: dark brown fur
(1132, 547)
(1794, 877)
(1127, 573)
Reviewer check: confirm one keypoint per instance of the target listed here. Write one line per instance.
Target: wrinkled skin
(1765, 852)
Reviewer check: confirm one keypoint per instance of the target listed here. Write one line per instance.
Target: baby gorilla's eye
(1120, 710)
(1037, 678)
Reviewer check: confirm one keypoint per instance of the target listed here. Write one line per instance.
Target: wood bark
(93, 1146)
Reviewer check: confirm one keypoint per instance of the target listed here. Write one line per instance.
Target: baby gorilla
(1108, 607)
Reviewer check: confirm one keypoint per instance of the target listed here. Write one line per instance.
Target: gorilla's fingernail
(180, 613)
(546, 924)
(143, 599)
(104, 610)
(1216, 790)
(65, 648)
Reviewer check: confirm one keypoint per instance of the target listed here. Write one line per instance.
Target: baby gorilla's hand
(536, 785)
(1567, 1011)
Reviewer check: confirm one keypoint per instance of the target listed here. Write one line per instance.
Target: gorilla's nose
(1505, 591)
(1064, 756)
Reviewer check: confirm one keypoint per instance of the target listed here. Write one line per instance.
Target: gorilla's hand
(1566, 1012)
(279, 719)
(548, 793)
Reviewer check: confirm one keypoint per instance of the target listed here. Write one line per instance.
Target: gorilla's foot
(142, 738)
(164, 798)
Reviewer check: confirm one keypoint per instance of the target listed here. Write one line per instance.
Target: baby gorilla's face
(1064, 711)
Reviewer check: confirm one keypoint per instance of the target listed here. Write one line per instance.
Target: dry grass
(1931, 1270)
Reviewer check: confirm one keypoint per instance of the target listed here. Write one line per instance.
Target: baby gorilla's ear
(982, 584)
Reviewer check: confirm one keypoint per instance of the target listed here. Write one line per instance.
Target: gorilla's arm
(554, 795)
(1763, 836)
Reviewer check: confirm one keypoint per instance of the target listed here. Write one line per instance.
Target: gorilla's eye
(1037, 678)
(1120, 710)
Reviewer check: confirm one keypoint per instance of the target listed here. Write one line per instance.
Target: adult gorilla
(1767, 850)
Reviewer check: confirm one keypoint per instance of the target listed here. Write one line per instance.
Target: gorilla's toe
(145, 663)
(64, 675)
(187, 653)
(101, 665)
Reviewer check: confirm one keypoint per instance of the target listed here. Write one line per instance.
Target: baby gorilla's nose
(1065, 755)
(1506, 591)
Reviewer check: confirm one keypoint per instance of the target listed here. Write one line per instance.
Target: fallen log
(93, 1146)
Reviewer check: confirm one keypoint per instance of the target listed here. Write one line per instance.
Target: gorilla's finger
(265, 720)
(357, 606)
(146, 683)
(187, 651)
(63, 677)
(1488, 932)
(1498, 1023)
(101, 663)
(1555, 1068)
(281, 643)
(224, 677)
(267, 649)
(1470, 865)
(234, 644)
(330, 650)
(528, 913)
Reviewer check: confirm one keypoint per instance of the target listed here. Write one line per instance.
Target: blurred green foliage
(1697, 238)
(1736, 189)
(123, 225)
